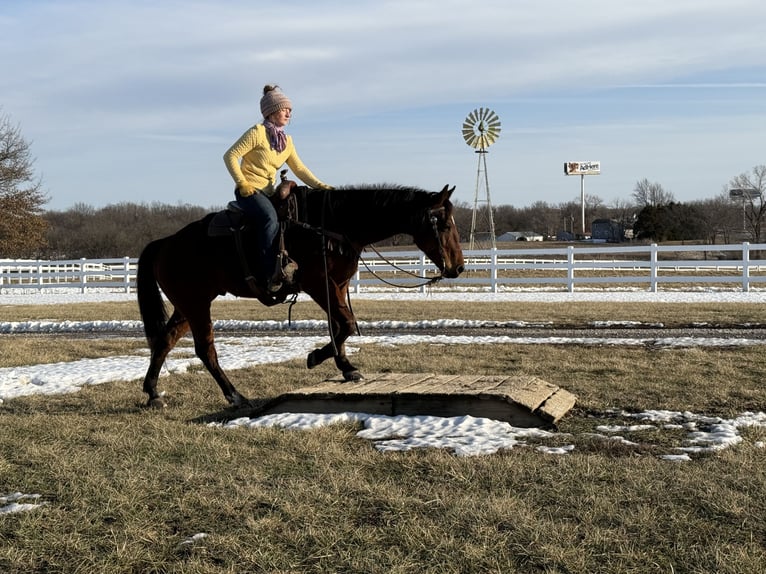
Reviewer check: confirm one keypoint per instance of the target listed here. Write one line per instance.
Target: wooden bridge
(522, 401)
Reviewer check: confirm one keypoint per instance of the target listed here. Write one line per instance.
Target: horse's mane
(379, 196)
(371, 209)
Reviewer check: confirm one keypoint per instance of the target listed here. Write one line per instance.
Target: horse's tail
(150, 303)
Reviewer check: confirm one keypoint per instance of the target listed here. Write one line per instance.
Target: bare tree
(22, 227)
(651, 194)
(116, 230)
(623, 211)
(595, 208)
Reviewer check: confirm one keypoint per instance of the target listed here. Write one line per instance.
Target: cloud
(138, 96)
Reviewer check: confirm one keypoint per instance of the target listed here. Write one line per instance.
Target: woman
(253, 162)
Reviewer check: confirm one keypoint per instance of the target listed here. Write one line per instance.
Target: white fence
(82, 274)
(650, 266)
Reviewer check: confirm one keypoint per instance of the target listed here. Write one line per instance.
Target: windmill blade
(494, 132)
(470, 138)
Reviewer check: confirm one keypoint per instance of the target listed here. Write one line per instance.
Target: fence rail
(650, 266)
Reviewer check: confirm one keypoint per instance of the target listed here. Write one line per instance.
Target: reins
(396, 267)
(432, 217)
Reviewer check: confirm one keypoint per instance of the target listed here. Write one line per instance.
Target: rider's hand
(244, 189)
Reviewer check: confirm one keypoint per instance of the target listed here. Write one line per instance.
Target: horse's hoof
(311, 361)
(352, 376)
(156, 403)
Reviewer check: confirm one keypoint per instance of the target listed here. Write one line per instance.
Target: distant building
(520, 236)
(607, 230)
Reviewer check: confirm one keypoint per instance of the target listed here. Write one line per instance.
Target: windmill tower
(480, 130)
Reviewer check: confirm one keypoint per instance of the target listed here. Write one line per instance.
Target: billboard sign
(582, 168)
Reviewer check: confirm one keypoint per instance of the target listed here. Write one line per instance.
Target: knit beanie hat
(273, 100)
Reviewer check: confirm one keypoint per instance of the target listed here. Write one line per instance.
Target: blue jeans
(261, 212)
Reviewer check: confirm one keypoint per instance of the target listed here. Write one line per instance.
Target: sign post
(744, 194)
(582, 168)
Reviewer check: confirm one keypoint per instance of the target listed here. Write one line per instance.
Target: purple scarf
(277, 136)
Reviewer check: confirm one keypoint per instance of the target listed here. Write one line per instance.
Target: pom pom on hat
(273, 100)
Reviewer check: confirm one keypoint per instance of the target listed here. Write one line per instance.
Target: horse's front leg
(350, 372)
(318, 356)
(343, 326)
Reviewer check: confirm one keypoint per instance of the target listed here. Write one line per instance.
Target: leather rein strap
(431, 215)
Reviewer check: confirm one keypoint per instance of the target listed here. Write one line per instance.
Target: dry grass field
(126, 489)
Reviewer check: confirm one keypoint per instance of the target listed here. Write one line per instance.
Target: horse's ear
(445, 193)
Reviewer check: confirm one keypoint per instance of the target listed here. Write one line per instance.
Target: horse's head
(437, 236)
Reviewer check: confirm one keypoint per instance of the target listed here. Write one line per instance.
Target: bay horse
(192, 268)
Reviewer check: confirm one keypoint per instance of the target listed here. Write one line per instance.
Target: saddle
(233, 219)
(233, 222)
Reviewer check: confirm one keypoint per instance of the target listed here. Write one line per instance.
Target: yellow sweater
(259, 163)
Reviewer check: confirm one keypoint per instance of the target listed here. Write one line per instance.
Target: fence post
(493, 271)
(653, 268)
(83, 277)
(745, 266)
(422, 263)
(126, 263)
(570, 268)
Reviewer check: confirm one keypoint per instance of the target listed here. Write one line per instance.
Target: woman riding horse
(253, 161)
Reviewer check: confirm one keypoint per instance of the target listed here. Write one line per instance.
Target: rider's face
(281, 118)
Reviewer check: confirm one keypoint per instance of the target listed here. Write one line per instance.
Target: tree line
(27, 230)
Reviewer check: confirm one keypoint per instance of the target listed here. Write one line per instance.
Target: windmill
(480, 130)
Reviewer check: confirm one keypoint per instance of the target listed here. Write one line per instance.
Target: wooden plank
(432, 384)
(557, 405)
(385, 382)
(529, 392)
(395, 382)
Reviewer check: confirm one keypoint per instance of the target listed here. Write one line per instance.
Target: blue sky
(137, 101)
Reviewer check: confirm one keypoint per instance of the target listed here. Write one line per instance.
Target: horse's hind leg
(175, 328)
(204, 347)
